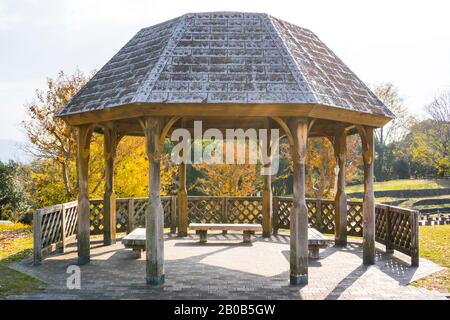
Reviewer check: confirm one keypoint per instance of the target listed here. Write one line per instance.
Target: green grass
(16, 243)
(435, 246)
(407, 184)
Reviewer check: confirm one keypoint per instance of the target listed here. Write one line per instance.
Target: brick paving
(225, 268)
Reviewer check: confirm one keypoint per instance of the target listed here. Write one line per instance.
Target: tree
(52, 139)
(397, 128)
(321, 164)
(431, 138)
(227, 179)
(54, 149)
(394, 131)
(13, 199)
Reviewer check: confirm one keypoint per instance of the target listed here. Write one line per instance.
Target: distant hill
(13, 150)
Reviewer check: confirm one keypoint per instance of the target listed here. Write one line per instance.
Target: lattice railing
(398, 229)
(281, 207)
(243, 209)
(130, 213)
(52, 227)
(354, 218)
(138, 207)
(205, 209)
(395, 227)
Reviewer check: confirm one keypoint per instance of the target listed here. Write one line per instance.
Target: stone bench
(247, 229)
(316, 240)
(135, 240)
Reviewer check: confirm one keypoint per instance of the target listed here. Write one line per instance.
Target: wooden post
(319, 225)
(154, 215)
(173, 214)
(130, 215)
(224, 212)
(182, 202)
(414, 222)
(37, 238)
(340, 222)
(367, 137)
(63, 228)
(388, 229)
(299, 214)
(83, 153)
(275, 209)
(267, 193)
(109, 199)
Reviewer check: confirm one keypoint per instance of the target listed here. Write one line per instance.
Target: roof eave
(135, 110)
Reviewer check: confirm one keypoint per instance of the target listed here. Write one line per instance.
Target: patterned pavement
(225, 268)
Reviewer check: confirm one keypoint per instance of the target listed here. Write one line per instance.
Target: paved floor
(225, 268)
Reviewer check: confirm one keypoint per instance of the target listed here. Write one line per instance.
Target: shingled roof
(225, 57)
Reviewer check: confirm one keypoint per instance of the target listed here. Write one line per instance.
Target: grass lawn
(403, 185)
(16, 243)
(435, 246)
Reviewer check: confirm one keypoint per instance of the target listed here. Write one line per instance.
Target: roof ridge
(298, 69)
(144, 90)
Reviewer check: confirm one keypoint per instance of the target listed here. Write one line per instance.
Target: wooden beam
(299, 213)
(367, 138)
(83, 152)
(286, 130)
(154, 215)
(109, 198)
(340, 146)
(227, 110)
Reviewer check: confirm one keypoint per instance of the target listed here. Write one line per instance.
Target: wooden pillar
(109, 199)
(267, 195)
(37, 237)
(173, 214)
(340, 222)
(299, 213)
(154, 215)
(367, 138)
(182, 202)
(83, 153)
(267, 206)
(131, 217)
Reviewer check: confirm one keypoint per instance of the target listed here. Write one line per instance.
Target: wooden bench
(136, 239)
(247, 229)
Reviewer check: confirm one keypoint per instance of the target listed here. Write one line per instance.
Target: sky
(406, 43)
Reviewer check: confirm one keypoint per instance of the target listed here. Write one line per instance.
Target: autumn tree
(430, 139)
(51, 138)
(53, 174)
(321, 165)
(227, 179)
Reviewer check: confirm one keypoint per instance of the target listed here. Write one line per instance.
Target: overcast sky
(403, 42)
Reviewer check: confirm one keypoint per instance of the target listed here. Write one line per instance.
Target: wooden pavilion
(229, 70)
